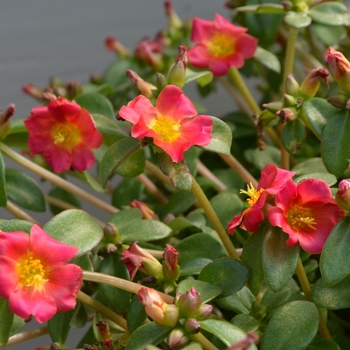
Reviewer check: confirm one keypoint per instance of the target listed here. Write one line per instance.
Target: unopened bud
(143, 86)
(205, 311)
(287, 5)
(171, 268)
(74, 88)
(339, 100)
(189, 303)
(342, 196)
(311, 83)
(174, 20)
(289, 100)
(111, 233)
(48, 96)
(5, 120)
(177, 339)
(113, 45)
(145, 53)
(273, 107)
(192, 326)
(245, 343)
(287, 115)
(33, 91)
(147, 212)
(177, 74)
(292, 86)
(161, 81)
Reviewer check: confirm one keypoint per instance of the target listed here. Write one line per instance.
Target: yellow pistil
(167, 128)
(300, 217)
(221, 45)
(65, 135)
(31, 273)
(252, 193)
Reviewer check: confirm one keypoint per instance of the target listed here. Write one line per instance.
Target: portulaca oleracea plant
(224, 232)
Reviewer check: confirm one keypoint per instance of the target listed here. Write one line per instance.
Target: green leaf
(116, 298)
(24, 191)
(80, 316)
(269, 155)
(252, 258)
(72, 227)
(6, 320)
(92, 182)
(59, 326)
(206, 290)
(267, 59)
(318, 113)
(150, 333)
(245, 322)
(115, 73)
(335, 297)
(116, 155)
(293, 135)
(335, 263)
(221, 137)
(330, 36)
(217, 271)
(262, 8)
(126, 191)
(297, 20)
(240, 302)
(309, 166)
(225, 331)
(279, 260)
(203, 77)
(3, 195)
(144, 230)
(335, 144)
(136, 314)
(16, 225)
(125, 217)
(59, 193)
(329, 178)
(292, 327)
(330, 14)
(179, 202)
(178, 173)
(196, 251)
(323, 344)
(96, 103)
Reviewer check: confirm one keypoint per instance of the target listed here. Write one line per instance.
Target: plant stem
(239, 169)
(19, 213)
(120, 283)
(213, 218)
(152, 188)
(27, 335)
(57, 180)
(201, 339)
(305, 286)
(94, 304)
(205, 172)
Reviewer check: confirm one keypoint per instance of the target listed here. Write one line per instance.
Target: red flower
(169, 123)
(307, 213)
(64, 133)
(220, 45)
(271, 181)
(34, 276)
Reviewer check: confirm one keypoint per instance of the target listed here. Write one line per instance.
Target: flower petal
(13, 244)
(252, 220)
(199, 56)
(313, 190)
(202, 30)
(139, 106)
(82, 158)
(219, 67)
(59, 158)
(273, 179)
(61, 108)
(246, 45)
(197, 130)
(286, 195)
(174, 149)
(236, 221)
(89, 135)
(9, 276)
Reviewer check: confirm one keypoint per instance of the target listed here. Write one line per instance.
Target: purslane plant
(185, 259)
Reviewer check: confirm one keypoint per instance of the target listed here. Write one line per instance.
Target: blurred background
(40, 39)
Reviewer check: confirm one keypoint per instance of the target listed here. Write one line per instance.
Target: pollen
(300, 217)
(31, 273)
(221, 45)
(253, 194)
(167, 128)
(65, 134)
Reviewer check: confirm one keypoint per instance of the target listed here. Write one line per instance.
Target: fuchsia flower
(220, 45)
(307, 213)
(171, 123)
(64, 134)
(34, 275)
(272, 180)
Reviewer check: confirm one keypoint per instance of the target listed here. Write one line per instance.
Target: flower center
(221, 45)
(31, 273)
(167, 128)
(252, 193)
(65, 135)
(299, 217)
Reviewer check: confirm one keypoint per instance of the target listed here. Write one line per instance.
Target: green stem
(19, 213)
(94, 304)
(205, 172)
(201, 339)
(56, 180)
(213, 218)
(152, 188)
(305, 286)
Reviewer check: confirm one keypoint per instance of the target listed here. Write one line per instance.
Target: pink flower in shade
(272, 180)
(220, 45)
(307, 213)
(35, 276)
(171, 123)
(64, 133)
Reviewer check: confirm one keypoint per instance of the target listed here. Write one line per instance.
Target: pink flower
(64, 134)
(307, 213)
(220, 45)
(271, 181)
(171, 123)
(34, 275)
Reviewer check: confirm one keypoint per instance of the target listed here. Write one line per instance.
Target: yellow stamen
(300, 217)
(31, 273)
(252, 193)
(65, 134)
(167, 128)
(221, 45)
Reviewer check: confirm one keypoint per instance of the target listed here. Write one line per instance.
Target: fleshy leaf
(136, 314)
(297, 20)
(6, 320)
(262, 8)
(203, 77)
(293, 135)
(96, 103)
(330, 13)
(59, 326)
(268, 59)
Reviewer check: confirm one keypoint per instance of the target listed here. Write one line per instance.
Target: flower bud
(146, 52)
(289, 100)
(113, 45)
(177, 339)
(189, 303)
(342, 197)
(340, 68)
(135, 258)
(5, 120)
(205, 311)
(245, 343)
(147, 212)
(174, 20)
(111, 233)
(287, 114)
(171, 268)
(192, 326)
(273, 107)
(339, 100)
(161, 81)
(292, 86)
(143, 86)
(177, 74)
(157, 309)
(33, 91)
(311, 83)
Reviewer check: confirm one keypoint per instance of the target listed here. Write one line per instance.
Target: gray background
(40, 39)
